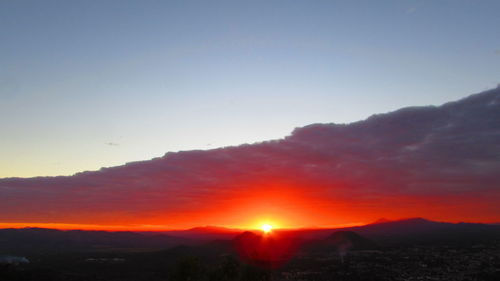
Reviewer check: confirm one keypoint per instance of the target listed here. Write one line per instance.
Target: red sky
(440, 163)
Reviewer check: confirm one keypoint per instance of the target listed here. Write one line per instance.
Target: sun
(266, 228)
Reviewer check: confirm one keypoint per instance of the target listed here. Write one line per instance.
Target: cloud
(438, 162)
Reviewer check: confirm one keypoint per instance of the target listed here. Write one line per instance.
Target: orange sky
(278, 206)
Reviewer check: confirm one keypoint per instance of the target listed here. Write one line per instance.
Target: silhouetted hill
(412, 231)
(28, 240)
(402, 232)
(381, 220)
(205, 233)
(419, 230)
(349, 240)
(246, 237)
(339, 241)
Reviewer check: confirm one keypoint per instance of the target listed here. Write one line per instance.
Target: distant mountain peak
(416, 220)
(246, 235)
(413, 220)
(381, 220)
(211, 228)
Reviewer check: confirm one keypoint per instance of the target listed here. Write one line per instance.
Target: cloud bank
(439, 162)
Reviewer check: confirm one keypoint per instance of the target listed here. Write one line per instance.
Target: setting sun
(266, 228)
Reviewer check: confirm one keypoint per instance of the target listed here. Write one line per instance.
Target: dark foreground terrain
(407, 250)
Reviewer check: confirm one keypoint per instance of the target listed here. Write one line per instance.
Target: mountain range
(384, 233)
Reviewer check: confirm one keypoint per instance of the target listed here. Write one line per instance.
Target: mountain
(205, 233)
(348, 240)
(340, 241)
(420, 230)
(213, 239)
(27, 240)
(381, 220)
(416, 231)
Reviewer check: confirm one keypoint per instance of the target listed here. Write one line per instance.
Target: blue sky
(87, 84)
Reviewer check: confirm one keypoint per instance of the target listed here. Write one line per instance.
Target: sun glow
(266, 228)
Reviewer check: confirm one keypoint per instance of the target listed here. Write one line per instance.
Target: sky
(91, 84)
(440, 163)
(160, 115)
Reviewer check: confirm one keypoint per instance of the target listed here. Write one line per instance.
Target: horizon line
(162, 228)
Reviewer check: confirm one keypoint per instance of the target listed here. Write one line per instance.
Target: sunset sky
(199, 85)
